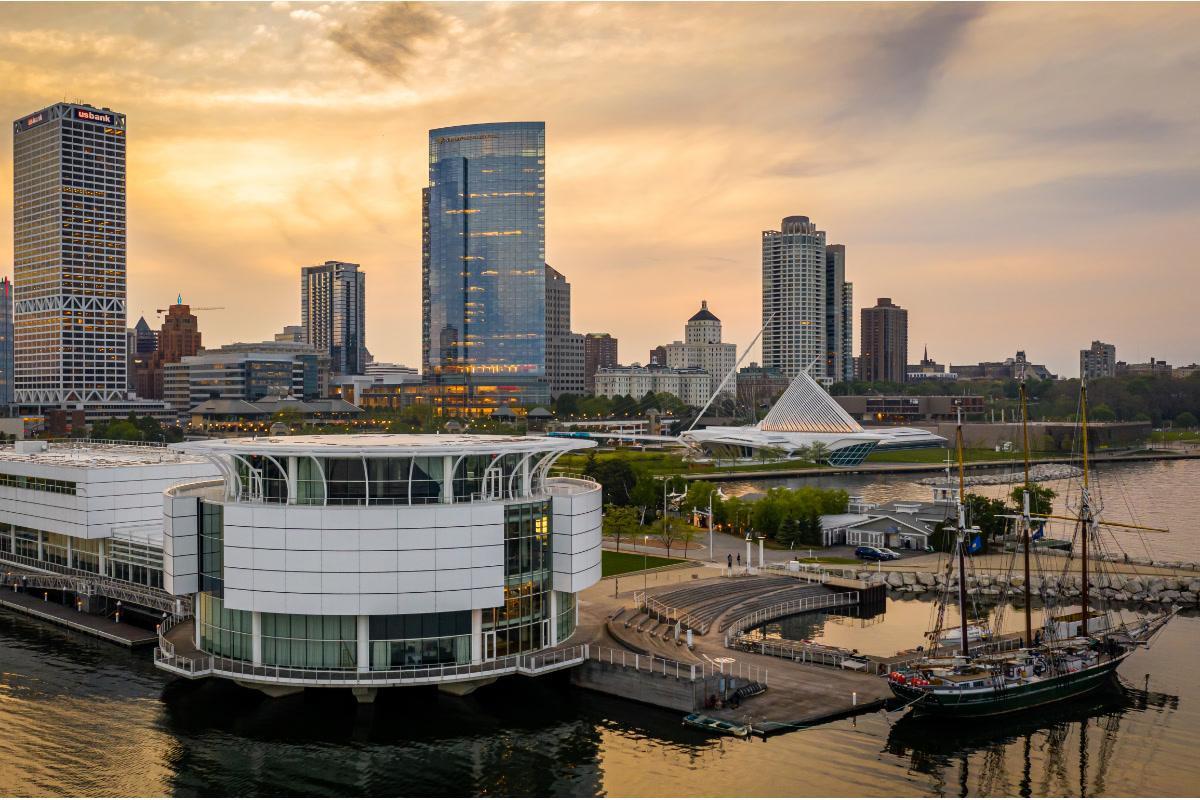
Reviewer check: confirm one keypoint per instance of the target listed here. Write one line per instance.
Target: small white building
(88, 508)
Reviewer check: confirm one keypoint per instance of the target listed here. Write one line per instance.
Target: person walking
(739, 559)
(729, 559)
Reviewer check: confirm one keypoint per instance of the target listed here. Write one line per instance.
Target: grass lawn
(612, 563)
(664, 463)
(938, 456)
(1174, 436)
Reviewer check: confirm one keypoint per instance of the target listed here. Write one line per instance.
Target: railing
(664, 666)
(665, 613)
(85, 584)
(813, 573)
(524, 664)
(743, 624)
(801, 652)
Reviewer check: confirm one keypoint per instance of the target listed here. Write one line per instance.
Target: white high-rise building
(702, 348)
(69, 256)
(809, 303)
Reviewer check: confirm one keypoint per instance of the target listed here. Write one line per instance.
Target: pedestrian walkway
(102, 627)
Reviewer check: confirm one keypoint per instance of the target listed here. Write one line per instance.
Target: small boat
(716, 725)
(952, 636)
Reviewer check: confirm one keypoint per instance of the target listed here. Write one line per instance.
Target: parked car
(888, 551)
(872, 554)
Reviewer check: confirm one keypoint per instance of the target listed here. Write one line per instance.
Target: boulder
(1187, 597)
(909, 577)
(1157, 585)
(983, 581)
(1133, 586)
(1194, 586)
(1169, 596)
(926, 579)
(877, 578)
(894, 580)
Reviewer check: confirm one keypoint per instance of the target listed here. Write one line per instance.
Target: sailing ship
(1068, 655)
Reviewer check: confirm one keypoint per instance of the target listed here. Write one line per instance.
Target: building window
(310, 641)
(520, 625)
(211, 521)
(412, 640)
(38, 484)
(566, 615)
(223, 632)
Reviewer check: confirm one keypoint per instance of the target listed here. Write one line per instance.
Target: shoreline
(883, 468)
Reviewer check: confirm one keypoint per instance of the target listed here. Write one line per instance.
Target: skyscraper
(69, 247)
(839, 316)
(809, 303)
(484, 270)
(145, 339)
(884, 355)
(564, 349)
(1098, 361)
(6, 342)
(599, 352)
(333, 313)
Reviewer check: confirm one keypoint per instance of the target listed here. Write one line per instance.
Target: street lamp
(711, 557)
(646, 558)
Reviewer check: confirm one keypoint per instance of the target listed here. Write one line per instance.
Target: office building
(378, 560)
(1155, 367)
(333, 313)
(758, 388)
(178, 337)
(69, 247)
(290, 333)
(703, 349)
(6, 343)
(484, 267)
(691, 385)
(247, 372)
(808, 302)
(599, 352)
(145, 338)
(92, 510)
(658, 357)
(564, 349)
(1098, 361)
(910, 409)
(1012, 368)
(884, 352)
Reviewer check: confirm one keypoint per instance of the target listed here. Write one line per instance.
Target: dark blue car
(872, 554)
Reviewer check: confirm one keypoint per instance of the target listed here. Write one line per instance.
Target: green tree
(1041, 498)
(668, 531)
(617, 478)
(986, 514)
(620, 522)
(567, 405)
(1102, 413)
(818, 453)
(1185, 419)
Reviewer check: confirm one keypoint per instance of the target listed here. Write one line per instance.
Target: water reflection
(1063, 749)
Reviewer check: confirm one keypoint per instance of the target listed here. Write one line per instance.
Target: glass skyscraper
(333, 299)
(69, 256)
(484, 267)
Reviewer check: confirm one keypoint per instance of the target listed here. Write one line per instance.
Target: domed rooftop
(704, 315)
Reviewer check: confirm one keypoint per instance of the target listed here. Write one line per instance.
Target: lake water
(81, 717)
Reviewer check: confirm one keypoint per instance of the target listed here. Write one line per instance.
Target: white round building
(378, 560)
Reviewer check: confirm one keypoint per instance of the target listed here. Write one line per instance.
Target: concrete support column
(762, 562)
(477, 636)
(553, 618)
(447, 479)
(526, 478)
(70, 550)
(364, 643)
(100, 551)
(292, 474)
(256, 638)
(41, 546)
(748, 551)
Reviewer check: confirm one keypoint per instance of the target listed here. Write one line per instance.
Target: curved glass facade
(484, 322)
(522, 623)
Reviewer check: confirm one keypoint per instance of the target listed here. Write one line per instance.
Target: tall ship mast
(1065, 655)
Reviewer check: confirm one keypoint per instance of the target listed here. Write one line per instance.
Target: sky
(1018, 176)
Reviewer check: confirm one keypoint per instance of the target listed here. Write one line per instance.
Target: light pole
(711, 557)
(645, 557)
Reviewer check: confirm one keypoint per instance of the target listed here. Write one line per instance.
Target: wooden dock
(100, 627)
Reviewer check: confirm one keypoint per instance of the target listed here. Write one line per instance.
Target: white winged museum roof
(805, 407)
(383, 444)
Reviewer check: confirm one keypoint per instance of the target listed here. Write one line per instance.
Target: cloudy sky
(1017, 176)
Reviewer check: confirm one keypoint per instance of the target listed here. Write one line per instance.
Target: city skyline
(977, 189)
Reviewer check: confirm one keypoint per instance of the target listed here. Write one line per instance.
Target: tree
(818, 453)
(1186, 420)
(646, 495)
(620, 522)
(1102, 413)
(567, 405)
(687, 535)
(987, 515)
(697, 497)
(617, 478)
(668, 531)
(1040, 498)
(589, 466)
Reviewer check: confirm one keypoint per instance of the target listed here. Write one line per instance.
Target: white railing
(665, 613)
(525, 664)
(743, 624)
(800, 652)
(656, 665)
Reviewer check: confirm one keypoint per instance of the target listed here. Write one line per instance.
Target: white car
(889, 551)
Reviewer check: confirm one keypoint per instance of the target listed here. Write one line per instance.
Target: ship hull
(1011, 699)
